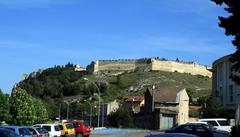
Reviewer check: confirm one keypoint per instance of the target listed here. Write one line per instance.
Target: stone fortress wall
(148, 64)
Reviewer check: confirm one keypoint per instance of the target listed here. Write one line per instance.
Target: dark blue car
(200, 130)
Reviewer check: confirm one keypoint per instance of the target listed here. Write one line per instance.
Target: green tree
(4, 107)
(40, 111)
(232, 28)
(22, 108)
(121, 118)
(211, 108)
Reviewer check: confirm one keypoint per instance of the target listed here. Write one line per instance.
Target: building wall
(172, 66)
(183, 107)
(148, 64)
(112, 107)
(224, 90)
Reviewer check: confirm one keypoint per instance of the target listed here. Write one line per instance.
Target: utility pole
(98, 98)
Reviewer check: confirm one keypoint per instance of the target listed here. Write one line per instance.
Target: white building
(224, 90)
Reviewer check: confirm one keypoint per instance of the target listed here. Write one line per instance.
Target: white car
(53, 129)
(218, 123)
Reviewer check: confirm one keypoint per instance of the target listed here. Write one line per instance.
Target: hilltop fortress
(148, 64)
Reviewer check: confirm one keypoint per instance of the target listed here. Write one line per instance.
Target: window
(223, 122)
(199, 128)
(48, 128)
(220, 72)
(76, 125)
(61, 127)
(213, 123)
(186, 128)
(230, 93)
(32, 131)
(69, 126)
(57, 128)
(24, 131)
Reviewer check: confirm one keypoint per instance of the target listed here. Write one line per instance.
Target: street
(136, 134)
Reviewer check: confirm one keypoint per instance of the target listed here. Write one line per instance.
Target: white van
(53, 129)
(218, 123)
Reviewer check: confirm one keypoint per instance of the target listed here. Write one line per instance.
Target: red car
(81, 129)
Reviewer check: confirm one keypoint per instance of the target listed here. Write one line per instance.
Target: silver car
(38, 131)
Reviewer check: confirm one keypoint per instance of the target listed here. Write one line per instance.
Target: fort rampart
(148, 64)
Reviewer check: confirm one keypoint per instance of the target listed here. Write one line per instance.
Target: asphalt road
(137, 134)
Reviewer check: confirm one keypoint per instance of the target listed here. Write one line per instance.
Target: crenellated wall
(148, 64)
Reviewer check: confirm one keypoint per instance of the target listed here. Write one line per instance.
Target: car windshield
(57, 128)
(7, 133)
(223, 122)
(24, 131)
(76, 125)
(41, 130)
(69, 126)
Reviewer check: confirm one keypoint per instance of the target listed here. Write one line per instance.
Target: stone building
(163, 108)
(148, 64)
(224, 90)
(133, 103)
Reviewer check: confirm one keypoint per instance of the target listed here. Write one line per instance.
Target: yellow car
(67, 129)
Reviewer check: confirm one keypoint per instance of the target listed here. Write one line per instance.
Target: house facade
(224, 90)
(163, 108)
(133, 103)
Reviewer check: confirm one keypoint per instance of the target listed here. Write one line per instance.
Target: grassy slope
(135, 83)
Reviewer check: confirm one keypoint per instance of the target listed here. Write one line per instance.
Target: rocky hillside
(61, 84)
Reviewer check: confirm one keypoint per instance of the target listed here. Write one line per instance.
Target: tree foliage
(22, 108)
(4, 107)
(26, 110)
(121, 118)
(232, 28)
(53, 82)
(211, 108)
(41, 114)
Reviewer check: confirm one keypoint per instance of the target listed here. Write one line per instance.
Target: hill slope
(62, 83)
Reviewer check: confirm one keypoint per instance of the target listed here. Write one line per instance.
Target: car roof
(15, 127)
(45, 125)
(213, 119)
(197, 122)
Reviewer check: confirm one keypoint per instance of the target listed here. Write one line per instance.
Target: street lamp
(90, 119)
(86, 79)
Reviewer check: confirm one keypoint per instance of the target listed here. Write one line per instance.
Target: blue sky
(38, 34)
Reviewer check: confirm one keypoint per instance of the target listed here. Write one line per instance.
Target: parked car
(199, 129)
(67, 129)
(53, 129)
(19, 130)
(172, 135)
(8, 133)
(38, 132)
(218, 123)
(216, 132)
(81, 129)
